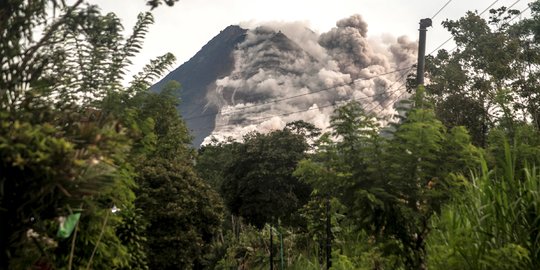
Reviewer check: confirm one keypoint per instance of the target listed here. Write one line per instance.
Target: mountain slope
(214, 60)
(262, 78)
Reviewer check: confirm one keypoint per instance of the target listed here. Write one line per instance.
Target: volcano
(259, 78)
(198, 76)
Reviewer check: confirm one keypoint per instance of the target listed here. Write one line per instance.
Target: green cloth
(66, 228)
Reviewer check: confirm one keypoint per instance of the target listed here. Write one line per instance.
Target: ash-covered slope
(262, 78)
(196, 76)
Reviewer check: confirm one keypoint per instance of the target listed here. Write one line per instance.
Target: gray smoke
(280, 60)
(348, 45)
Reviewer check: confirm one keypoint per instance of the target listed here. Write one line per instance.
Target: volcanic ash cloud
(285, 72)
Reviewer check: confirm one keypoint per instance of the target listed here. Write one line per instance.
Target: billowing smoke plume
(348, 45)
(285, 72)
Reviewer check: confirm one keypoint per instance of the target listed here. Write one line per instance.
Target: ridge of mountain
(214, 60)
(232, 86)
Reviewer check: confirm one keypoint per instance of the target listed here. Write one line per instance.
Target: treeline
(96, 175)
(93, 175)
(452, 183)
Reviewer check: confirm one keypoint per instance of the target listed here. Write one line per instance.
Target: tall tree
(62, 150)
(491, 78)
(183, 212)
(56, 160)
(493, 223)
(259, 185)
(391, 185)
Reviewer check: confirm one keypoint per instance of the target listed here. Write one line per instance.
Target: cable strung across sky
(302, 95)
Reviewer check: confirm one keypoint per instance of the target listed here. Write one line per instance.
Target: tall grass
(493, 224)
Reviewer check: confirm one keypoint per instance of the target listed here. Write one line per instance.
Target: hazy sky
(190, 24)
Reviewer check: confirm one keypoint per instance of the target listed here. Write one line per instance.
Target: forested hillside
(98, 175)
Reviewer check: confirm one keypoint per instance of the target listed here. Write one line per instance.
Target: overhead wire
(512, 5)
(262, 119)
(481, 13)
(520, 13)
(510, 20)
(397, 99)
(240, 110)
(440, 46)
(486, 9)
(439, 11)
(390, 103)
(334, 87)
(325, 106)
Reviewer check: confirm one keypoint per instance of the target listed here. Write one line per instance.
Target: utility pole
(328, 234)
(281, 247)
(424, 24)
(271, 249)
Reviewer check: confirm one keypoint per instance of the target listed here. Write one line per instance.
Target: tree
(46, 175)
(62, 149)
(59, 152)
(182, 210)
(213, 159)
(259, 185)
(473, 230)
(391, 185)
(155, 3)
(492, 78)
(132, 234)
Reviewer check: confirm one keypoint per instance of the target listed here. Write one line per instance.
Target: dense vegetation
(97, 175)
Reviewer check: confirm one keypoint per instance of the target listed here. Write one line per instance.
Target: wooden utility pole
(424, 24)
(328, 234)
(271, 249)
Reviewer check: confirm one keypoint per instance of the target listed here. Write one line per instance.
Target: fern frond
(151, 72)
(134, 43)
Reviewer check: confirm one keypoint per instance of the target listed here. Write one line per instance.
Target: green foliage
(72, 135)
(46, 170)
(494, 223)
(249, 250)
(64, 144)
(183, 214)
(391, 185)
(259, 185)
(213, 159)
(155, 3)
(491, 79)
(524, 142)
(359, 250)
(74, 140)
(132, 234)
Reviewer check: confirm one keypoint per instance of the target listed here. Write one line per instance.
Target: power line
(512, 5)
(440, 46)
(484, 11)
(325, 106)
(513, 18)
(300, 95)
(521, 12)
(385, 107)
(391, 103)
(260, 120)
(439, 11)
(449, 39)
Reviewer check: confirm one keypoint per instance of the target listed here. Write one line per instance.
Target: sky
(184, 28)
